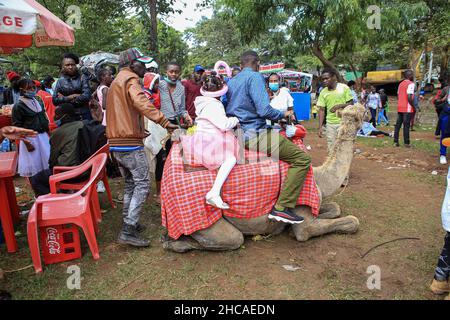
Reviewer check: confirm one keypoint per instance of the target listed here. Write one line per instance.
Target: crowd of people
(121, 110)
(112, 110)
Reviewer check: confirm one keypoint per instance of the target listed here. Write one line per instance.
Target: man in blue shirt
(249, 101)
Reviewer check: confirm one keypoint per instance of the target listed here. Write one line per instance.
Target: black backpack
(91, 137)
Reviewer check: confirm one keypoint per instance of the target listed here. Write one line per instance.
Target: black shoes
(129, 235)
(286, 216)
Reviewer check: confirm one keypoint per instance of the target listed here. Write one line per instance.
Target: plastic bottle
(6, 145)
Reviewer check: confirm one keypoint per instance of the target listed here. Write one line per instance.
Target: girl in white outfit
(213, 144)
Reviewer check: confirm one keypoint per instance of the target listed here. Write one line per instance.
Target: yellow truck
(388, 77)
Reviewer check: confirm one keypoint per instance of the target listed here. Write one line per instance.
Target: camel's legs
(330, 211)
(219, 237)
(317, 227)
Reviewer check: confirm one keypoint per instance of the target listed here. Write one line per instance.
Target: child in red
(151, 89)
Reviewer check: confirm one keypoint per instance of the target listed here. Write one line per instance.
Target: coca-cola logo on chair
(52, 240)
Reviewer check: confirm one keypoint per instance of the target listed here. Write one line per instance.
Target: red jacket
(49, 107)
(192, 90)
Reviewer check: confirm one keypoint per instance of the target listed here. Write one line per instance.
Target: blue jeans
(442, 272)
(137, 183)
(382, 117)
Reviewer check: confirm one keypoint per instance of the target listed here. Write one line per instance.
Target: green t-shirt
(330, 98)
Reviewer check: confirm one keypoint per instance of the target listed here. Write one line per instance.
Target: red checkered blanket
(251, 190)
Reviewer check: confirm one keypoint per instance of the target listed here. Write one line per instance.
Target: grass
(430, 147)
(427, 178)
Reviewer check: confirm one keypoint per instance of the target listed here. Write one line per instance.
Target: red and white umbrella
(23, 20)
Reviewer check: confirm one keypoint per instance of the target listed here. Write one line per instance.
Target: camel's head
(352, 118)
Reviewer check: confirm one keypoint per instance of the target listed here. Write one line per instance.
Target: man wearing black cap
(192, 89)
(125, 131)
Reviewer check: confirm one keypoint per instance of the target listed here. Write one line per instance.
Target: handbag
(157, 135)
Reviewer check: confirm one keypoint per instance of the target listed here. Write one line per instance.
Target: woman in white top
(280, 98)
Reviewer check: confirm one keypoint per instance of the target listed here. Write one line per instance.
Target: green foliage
(219, 38)
(336, 32)
(312, 25)
(214, 39)
(172, 46)
(106, 25)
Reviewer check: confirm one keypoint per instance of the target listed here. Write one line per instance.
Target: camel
(228, 233)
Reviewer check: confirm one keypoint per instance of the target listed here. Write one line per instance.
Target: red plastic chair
(77, 186)
(61, 209)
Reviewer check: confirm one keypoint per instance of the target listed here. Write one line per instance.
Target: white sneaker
(101, 187)
(443, 160)
(216, 201)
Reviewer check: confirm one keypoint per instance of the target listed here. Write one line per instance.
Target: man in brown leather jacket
(125, 131)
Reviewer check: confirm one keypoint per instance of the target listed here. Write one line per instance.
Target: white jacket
(211, 116)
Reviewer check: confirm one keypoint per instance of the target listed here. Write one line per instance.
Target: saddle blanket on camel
(251, 190)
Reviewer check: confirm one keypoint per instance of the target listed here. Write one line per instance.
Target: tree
(106, 25)
(149, 10)
(417, 26)
(312, 26)
(214, 39)
(336, 31)
(219, 38)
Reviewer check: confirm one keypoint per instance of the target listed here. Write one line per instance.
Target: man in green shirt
(334, 97)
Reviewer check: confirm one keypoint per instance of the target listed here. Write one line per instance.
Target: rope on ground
(387, 242)
(343, 190)
(132, 281)
(17, 270)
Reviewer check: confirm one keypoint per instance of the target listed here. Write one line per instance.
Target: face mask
(170, 81)
(29, 94)
(274, 86)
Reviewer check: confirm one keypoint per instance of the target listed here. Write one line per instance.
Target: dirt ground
(392, 192)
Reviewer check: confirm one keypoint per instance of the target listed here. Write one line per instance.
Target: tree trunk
(326, 63)
(352, 66)
(153, 27)
(445, 57)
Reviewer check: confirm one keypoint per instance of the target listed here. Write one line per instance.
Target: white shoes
(101, 187)
(443, 160)
(216, 201)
